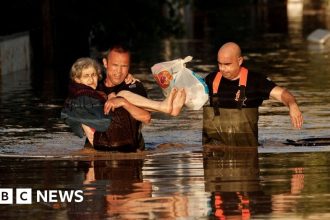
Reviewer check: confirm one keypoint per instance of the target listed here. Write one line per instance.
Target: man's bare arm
(284, 96)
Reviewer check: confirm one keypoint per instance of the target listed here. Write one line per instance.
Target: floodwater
(176, 177)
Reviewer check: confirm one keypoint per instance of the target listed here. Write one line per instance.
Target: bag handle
(187, 59)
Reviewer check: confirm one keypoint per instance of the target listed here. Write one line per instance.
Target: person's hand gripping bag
(174, 73)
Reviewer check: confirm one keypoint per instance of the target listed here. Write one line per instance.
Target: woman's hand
(113, 103)
(112, 95)
(130, 79)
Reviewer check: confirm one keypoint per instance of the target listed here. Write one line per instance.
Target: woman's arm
(136, 112)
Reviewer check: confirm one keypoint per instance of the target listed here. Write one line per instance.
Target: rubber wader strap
(242, 86)
(242, 79)
(216, 82)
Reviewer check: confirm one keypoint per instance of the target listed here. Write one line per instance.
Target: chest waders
(230, 127)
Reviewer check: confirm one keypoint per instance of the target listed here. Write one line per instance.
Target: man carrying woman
(111, 119)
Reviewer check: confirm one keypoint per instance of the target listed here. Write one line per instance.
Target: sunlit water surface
(176, 177)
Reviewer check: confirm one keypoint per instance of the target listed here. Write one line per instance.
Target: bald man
(235, 96)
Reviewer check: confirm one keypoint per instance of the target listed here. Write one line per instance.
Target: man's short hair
(120, 48)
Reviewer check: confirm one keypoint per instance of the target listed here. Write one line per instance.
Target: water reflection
(178, 185)
(232, 176)
(216, 183)
(295, 19)
(125, 189)
(114, 188)
(301, 184)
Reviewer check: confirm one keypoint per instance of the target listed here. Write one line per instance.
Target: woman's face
(88, 77)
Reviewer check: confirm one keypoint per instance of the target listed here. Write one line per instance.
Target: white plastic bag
(174, 73)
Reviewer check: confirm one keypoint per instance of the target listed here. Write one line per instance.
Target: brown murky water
(176, 178)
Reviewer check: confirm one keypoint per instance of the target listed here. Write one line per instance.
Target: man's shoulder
(137, 88)
(260, 81)
(257, 76)
(209, 77)
(211, 74)
(135, 85)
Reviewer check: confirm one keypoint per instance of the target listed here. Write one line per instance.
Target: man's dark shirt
(136, 88)
(258, 88)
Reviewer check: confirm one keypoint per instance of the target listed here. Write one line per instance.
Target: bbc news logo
(24, 196)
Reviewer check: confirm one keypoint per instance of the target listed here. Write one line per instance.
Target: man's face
(229, 64)
(117, 66)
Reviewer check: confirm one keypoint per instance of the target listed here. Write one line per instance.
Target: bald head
(230, 60)
(230, 48)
